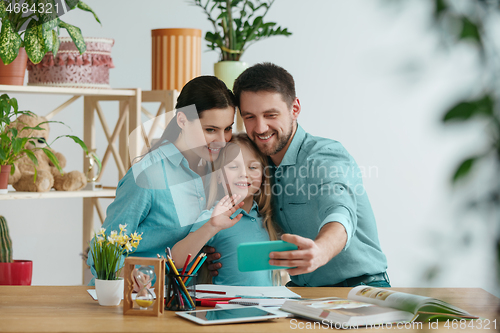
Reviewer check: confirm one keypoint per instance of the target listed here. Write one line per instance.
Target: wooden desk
(71, 309)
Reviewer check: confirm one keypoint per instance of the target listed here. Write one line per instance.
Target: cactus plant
(5, 242)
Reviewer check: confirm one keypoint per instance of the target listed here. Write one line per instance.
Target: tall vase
(176, 57)
(4, 178)
(228, 71)
(109, 292)
(14, 72)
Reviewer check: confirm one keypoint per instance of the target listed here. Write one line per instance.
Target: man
(319, 199)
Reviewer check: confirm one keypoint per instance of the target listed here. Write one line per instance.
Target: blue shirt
(160, 197)
(248, 229)
(318, 182)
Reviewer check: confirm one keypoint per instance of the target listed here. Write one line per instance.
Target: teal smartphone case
(255, 256)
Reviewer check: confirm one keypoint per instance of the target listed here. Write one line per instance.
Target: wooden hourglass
(146, 305)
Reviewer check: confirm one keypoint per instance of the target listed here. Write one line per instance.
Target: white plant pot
(228, 71)
(109, 292)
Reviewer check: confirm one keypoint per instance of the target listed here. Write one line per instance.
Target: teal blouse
(160, 197)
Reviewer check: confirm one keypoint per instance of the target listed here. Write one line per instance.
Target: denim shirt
(316, 183)
(160, 197)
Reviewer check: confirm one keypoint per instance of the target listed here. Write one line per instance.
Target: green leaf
(469, 30)
(439, 7)
(76, 140)
(48, 39)
(31, 156)
(76, 36)
(18, 145)
(464, 168)
(10, 42)
(56, 43)
(13, 102)
(33, 38)
(466, 110)
(71, 3)
(3, 11)
(3, 155)
(53, 159)
(85, 7)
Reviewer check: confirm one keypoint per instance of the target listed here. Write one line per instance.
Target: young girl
(243, 173)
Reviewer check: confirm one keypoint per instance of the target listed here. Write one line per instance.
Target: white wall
(369, 74)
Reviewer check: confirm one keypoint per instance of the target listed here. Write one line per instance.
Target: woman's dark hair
(205, 93)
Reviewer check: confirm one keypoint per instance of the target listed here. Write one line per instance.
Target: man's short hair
(266, 77)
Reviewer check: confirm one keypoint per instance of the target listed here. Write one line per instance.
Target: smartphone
(255, 256)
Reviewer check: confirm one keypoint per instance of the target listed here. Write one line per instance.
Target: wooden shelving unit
(15, 195)
(127, 138)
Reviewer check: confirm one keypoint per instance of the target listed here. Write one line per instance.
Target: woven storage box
(71, 69)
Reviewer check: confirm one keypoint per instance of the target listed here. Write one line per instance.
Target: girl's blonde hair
(262, 197)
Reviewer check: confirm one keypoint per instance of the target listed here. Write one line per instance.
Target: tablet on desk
(229, 316)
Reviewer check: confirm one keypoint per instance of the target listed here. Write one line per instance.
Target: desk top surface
(71, 309)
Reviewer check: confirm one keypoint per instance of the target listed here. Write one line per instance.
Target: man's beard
(282, 142)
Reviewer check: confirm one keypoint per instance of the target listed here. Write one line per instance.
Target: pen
(216, 299)
(211, 292)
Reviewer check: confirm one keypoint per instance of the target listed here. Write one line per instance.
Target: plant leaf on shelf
(83, 6)
(76, 36)
(56, 43)
(71, 3)
(10, 42)
(33, 38)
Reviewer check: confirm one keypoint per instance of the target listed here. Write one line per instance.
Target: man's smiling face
(269, 121)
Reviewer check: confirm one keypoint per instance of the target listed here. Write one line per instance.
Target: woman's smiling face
(207, 135)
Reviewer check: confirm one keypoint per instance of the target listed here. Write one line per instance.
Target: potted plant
(107, 251)
(30, 29)
(12, 272)
(237, 24)
(13, 146)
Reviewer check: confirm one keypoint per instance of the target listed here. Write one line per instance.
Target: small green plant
(239, 24)
(13, 146)
(107, 251)
(5, 242)
(41, 18)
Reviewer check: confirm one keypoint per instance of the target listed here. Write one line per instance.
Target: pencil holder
(181, 292)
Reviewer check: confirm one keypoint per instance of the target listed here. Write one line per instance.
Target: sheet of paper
(233, 291)
(93, 294)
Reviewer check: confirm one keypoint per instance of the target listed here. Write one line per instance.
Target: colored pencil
(194, 264)
(186, 264)
(181, 284)
(196, 269)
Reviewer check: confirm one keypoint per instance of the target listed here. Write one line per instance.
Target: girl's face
(244, 173)
(206, 136)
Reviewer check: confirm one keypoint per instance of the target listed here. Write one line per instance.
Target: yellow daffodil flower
(136, 237)
(122, 228)
(128, 247)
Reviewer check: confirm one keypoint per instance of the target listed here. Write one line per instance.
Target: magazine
(367, 306)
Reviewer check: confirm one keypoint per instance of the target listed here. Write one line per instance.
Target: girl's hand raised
(221, 216)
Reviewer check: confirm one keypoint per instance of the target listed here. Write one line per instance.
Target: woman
(163, 193)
